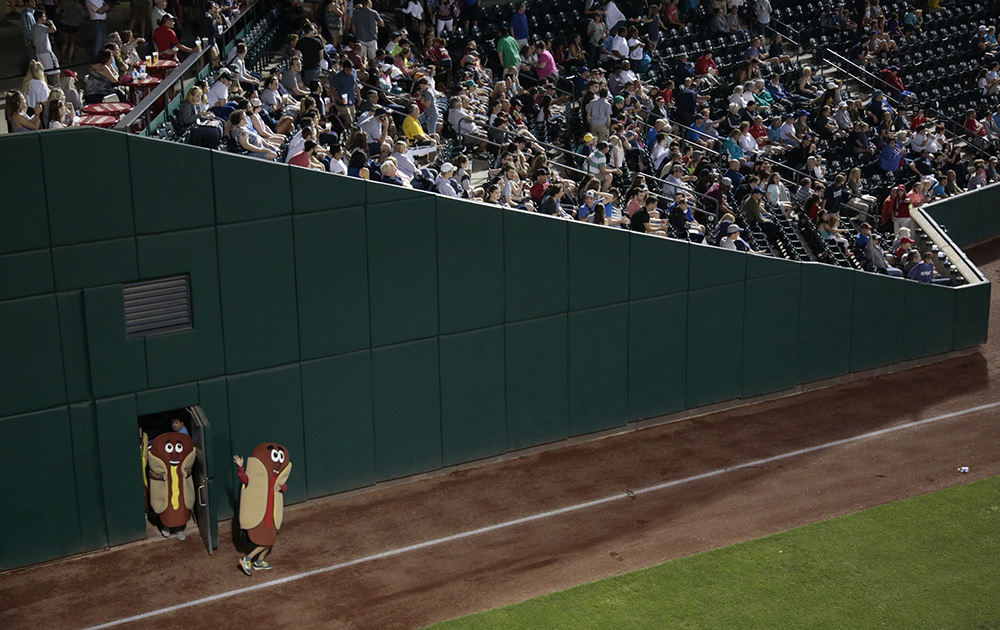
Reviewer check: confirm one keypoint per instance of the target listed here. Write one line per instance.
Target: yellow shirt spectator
(412, 128)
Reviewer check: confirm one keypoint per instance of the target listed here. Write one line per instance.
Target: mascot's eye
(179, 447)
(275, 456)
(281, 456)
(169, 447)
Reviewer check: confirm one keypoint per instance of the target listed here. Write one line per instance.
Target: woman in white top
(337, 164)
(57, 113)
(34, 87)
(616, 157)
(777, 193)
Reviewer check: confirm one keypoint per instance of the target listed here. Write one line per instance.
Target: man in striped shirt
(596, 164)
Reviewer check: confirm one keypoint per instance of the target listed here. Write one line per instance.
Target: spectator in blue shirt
(519, 25)
(924, 272)
(890, 156)
(344, 86)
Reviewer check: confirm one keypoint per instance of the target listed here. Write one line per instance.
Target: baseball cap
(602, 145)
(906, 239)
(619, 99)
(447, 167)
(866, 225)
(541, 171)
(590, 194)
(726, 181)
(587, 137)
(255, 102)
(842, 105)
(757, 190)
(733, 229)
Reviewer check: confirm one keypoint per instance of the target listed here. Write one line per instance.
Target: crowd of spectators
(607, 123)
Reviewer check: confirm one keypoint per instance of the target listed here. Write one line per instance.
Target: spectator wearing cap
(873, 254)
(905, 243)
(596, 164)
(890, 158)
(445, 184)
(733, 239)
(537, 189)
(593, 209)
(925, 271)
(165, 38)
(719, 191)
(218, 95)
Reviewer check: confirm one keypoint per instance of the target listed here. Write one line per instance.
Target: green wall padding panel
(972, 315)
(657, 266)
(824, 348)
(598, 369)
(161, 207)
(31, 367)
(45, 522)
(988, 217)
(961, 217)
(312, 191)
(25, 273)
(73, 333)
(267, 406)
(21, 162)
(87, 470)
(597, 266)
(470, 265)
(657, 356)
(166, 398)
(121, 469)
(378, 192)
(877, 325)
(214, 401)
(111, 214)
(257, 273)
(407, 409)
(715, 344)
(535, 265)
(763, 266)
(712, 266)
(927, 328)
(117, 365)
(247, 188)
(402, 269)
(537, 386)
(93, 264)
(331, 273)
(191, 354)
(771, 335)
(338, 420)
(473, 405)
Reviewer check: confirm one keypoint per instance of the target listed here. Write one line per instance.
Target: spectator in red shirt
(165, 38)
(973, 126)
(304, 157)
(890, 76)
(706, 64)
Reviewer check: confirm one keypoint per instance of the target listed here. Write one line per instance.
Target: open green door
(208, 524)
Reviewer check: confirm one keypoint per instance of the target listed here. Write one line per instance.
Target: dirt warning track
(412, 554)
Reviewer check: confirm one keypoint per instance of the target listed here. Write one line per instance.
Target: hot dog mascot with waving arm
(262, 501)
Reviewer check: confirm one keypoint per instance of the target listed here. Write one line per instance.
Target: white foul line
(539, 516)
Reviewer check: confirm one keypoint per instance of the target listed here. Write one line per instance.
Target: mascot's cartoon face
(172, 456)
(261, 501)
(273, 456)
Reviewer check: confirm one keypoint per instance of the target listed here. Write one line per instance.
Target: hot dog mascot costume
(261, 500)
(171, 489)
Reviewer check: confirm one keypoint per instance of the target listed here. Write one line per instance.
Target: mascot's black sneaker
(245, 565)
(262, 565)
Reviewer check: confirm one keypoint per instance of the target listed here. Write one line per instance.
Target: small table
(161, 68)
(107, 109)
(97, 120)
(138, 89)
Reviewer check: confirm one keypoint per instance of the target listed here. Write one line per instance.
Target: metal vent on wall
(155, 307)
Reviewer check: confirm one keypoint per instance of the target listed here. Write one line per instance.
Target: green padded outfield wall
(375, 331)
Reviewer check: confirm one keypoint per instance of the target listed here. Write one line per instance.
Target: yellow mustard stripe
(175, 489)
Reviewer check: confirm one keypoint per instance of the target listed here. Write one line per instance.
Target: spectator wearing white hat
(444, 183)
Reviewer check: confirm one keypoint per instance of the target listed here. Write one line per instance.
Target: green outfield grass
(928, 562)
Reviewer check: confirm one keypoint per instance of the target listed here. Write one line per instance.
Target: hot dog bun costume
(172, 456)
(261, 497)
